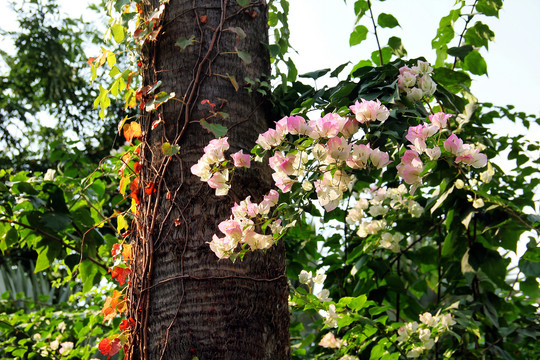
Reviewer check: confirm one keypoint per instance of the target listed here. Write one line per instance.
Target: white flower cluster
(379, 202)
(416, 81)
(307, 278)
(422, 337)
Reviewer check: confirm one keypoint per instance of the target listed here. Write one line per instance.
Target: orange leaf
(126, 253)
(132, 130)
(137, 167)
(108, 314)
(121, 307)
(91, 60)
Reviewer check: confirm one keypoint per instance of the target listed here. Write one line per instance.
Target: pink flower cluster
(210, 166)
(322, 162)
(240, 228)
(332, 149)
(411, 166)
(416, 82)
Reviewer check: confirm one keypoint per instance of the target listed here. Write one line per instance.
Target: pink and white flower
(241, 160)
(440, 119)
(367, 111)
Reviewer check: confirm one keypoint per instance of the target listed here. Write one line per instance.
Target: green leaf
(88, 271)
(315, 74)
(358, 35)
(118, 33)
(387, 21)
(386, 54)
(358, 302)
(489, 7)
(449, 77)
(46, 255)
(449, 244)
(530, 287)
(292, 71)
(217, 129)
(56, 221)
(170, 150)
(243, 3)
(183, 43)
(479, 35)
(475, 63)
(9, 238)
(244, 56)
(361, 64)
(460, 52)
(397, 46)
(239, 32)
(118, 4)
(339, 69)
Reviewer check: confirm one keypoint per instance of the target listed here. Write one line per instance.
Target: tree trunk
(186, 302)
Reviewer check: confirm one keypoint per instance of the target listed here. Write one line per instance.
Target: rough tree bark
(187, 303)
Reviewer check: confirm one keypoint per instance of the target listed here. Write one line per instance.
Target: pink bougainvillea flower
(379, 158)
(241, 160)
(349, 128)
(440, 119)
(472, 156)
(215, 149)
(269, 139)
(366, 111)
(453, 144)
(338, 148)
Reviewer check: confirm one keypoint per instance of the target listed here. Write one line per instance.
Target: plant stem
(376, 35)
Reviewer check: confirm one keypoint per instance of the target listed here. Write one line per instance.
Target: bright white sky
(320, 33)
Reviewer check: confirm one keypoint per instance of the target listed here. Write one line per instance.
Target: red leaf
(116, 249)
(206, 101)
(149, 189)
(120, 274)
(137, 167)
(134, 187)
(127, 324)
(157, 122)
(108, 347)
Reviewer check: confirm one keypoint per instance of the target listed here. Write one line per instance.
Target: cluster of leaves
(46, 81)
(38, 321)
(59, 224)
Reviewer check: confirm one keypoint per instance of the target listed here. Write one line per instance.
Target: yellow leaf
(121, 223)
(133, 206)
(124, 181)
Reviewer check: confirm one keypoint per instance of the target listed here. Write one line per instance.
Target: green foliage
(47, 74)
